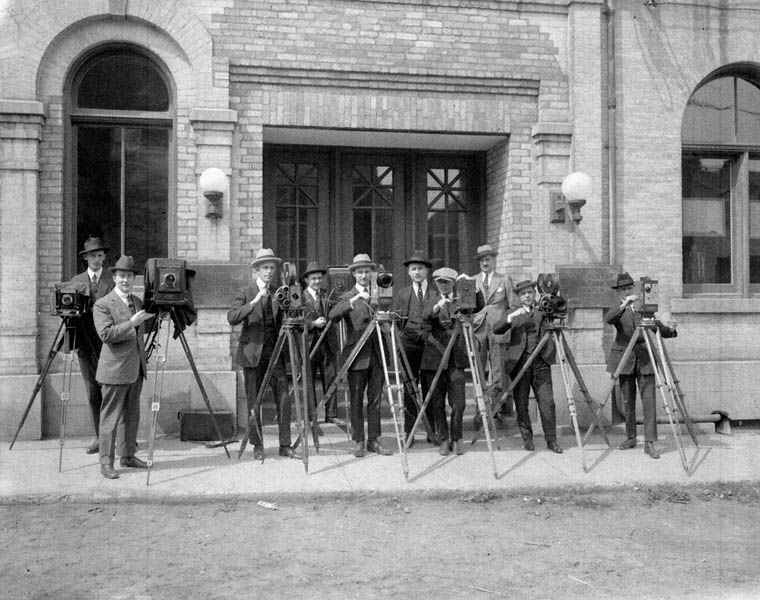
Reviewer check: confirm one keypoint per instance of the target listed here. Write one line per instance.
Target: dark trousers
(450, 385)
(539, 377)
(88, 365)
(370, 380)
(489, 354)
(646, 390)
(413, 353)
(278, 383)
(119, 401)
(322, 369)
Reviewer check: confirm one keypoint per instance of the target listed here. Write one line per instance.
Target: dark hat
(362, 260)
(418, 256)
(445, 273)
(523, 285)
(93, 244)
(623, 280)
(485, 250)
(265, 255)
(125, 263)
(313, 267)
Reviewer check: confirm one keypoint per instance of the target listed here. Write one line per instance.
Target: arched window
(121, 117)
(721, 185)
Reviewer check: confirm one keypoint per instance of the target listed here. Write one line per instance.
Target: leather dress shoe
(287, 452)
(554, 447)
(108, 472)
(627, 444)
(528, 445)
(93, 448)
(444, 449)
(359, 449)
(651, 450)
(258, 452)
(133, 462)
(377, 448)
(458, 448)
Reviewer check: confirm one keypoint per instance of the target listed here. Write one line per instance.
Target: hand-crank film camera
(166, 283)
(339, 281)
(648, 303)
(71, 299)
(289, 295)
(465, 294)
(381, 287)
(550, 301)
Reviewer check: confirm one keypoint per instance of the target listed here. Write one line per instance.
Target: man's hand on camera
(520, 311)
(628, 300)
(318, 323)
(361, 295)
(441, 303)
(140, 316)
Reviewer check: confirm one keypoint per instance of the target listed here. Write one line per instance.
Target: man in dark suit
(408, 304)
(638, 367)
(119, 321)
(527, 326)
(261, 318)
(315, 321)
(441, 317)
(366, 371)
(88, 342)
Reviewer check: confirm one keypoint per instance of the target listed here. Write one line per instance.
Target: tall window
(121, 124)
(721, 186)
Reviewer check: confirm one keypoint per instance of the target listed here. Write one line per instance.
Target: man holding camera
(527, 326)
(638, 367)
(366, 371)
(119, 321)
(409, 303)
(261, 319)
(88, 342)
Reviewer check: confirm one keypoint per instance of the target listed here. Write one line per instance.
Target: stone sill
(715, 305)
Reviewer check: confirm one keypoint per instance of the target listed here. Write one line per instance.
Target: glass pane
(287, 238)
(363, 232)
(709, 115)
(447, 225)
(382, 253)
(98, 185)
(748, 112)
(754, 221)
(285, 195)
(706, 219)
(146, 192)
(122, 81)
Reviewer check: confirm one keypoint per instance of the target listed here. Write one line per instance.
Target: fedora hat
(523, 285)
(418, 256)
(623, 280)
(265, 255)
(93, 244)
(313, 267)
(362, 260)
(125, 263)
(445, 273)
(485, 250)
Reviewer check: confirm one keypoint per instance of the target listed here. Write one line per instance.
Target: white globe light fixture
(213, 183)
(576, 188)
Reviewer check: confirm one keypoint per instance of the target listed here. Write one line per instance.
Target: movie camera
(339, 281)
(71, 299)
(648, 302)
(381, 287)
(166, 284)
(289, 295)
(465, 296)
(550, 301)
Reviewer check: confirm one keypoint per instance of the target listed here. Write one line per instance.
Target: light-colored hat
(125, 263)
(485, 250)
(93, 244)
(526, 284)
(418, 256)
(445, 273)
(265, 255)
(362, 260)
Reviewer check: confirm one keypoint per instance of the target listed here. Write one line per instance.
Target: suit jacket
(122, 357)
(401, 302)
(87, 338)
(253, 334)
(311, 313)
(518, 339)
(356, 321)
(625, 322)
(497, 303)
(442, 326)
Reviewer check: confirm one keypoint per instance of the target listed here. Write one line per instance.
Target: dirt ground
(666, 542)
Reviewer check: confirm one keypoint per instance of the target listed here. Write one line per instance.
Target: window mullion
(740, 222)
(123, 191)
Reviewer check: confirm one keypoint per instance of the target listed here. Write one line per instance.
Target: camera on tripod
(289, 295)
(339, 281)
(71, 299)
(166, 283)
(550, 301)
(648, 303)
(465, 295)
(381, 287)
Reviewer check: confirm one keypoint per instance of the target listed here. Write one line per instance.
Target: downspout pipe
(609, 13)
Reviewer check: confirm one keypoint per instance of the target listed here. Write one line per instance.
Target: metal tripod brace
(166, 314)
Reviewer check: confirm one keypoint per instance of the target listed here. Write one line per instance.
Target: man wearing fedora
(315, 321)
(440, 315)
(492, 347)
(527, 326)
(88, 341)
(366, 371)
(637, 369)
(261, 319)
(120, 323)
(409, 303)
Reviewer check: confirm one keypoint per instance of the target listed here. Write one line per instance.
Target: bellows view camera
(71, 299)
(166, 283)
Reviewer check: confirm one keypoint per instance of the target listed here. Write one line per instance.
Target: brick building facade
(488, 104)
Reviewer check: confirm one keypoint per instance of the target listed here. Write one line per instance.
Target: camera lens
(67, 299)
(170, 279)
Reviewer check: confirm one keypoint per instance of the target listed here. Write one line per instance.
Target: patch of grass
(482, 497)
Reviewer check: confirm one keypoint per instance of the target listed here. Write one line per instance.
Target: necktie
(485, 284)
(131, 304)
(419, 293)
(320, 309)
(94, 287)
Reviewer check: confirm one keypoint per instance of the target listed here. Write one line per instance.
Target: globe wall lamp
(576, 188)
(213, 183)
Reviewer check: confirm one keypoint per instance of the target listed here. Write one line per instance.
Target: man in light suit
(637, 369)
(253, 306)
(88, 342)
(366, 371)
(119, 321)
(495, 289)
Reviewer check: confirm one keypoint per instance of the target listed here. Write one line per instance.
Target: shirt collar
(360, 288)
(424, 285)
(313, 293)
(124, 297)
(99, 273)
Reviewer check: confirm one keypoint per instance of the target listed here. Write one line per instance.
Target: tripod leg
(564, 368)
(307, 379)
(512, 384)
(396, 401)
(678, 395)
(484, 410)
(54, 349)
(68, 364)
(158, 384)
(295, 366)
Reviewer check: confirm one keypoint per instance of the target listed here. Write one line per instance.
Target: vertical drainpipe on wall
(609, 13)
